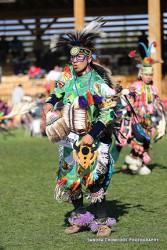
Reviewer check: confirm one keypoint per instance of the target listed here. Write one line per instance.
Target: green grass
(32, 220)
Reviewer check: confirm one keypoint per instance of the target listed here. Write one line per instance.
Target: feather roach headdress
(84, 38)
(148, 61)
(83, 42)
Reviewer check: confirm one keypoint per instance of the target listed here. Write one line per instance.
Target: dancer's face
(147, 78)
(81, 63)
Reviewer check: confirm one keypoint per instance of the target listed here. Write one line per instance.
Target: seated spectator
(38, 48)
(54, 74)
(36, 72)
(16, 46)
(51, 77)
(21, 63)
(4, 110)
(4, 48)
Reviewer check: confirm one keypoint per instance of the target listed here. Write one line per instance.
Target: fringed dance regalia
(144, 116)
(87, 109)
(85, 104)
(144, 100)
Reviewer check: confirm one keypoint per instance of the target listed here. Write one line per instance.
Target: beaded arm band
(52, 99)
(97, 128)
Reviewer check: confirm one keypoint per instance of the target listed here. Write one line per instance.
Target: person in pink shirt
(36, 72)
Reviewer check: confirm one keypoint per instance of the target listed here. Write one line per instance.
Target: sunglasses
(79, 58)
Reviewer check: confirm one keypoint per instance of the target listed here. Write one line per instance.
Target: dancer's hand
(46, 108)
(125, 92)
(87, 140)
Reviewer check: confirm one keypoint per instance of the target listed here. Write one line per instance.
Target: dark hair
(41, 95)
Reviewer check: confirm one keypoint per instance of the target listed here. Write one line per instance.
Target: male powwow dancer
(84, 99)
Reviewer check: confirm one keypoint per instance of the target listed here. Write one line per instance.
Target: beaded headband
(80, 50)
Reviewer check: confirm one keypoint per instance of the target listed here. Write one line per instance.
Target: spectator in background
(21, 63)
(50, 59)
(51, 77)
(36, 72)
(38, 48)
(38, 123)
(4, 49)
(4, 108)
(17, 94)
(16, 47)
(54, 74)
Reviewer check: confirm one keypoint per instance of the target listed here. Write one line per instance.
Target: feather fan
(19, 109)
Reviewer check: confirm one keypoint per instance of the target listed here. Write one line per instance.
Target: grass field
(32, 220)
